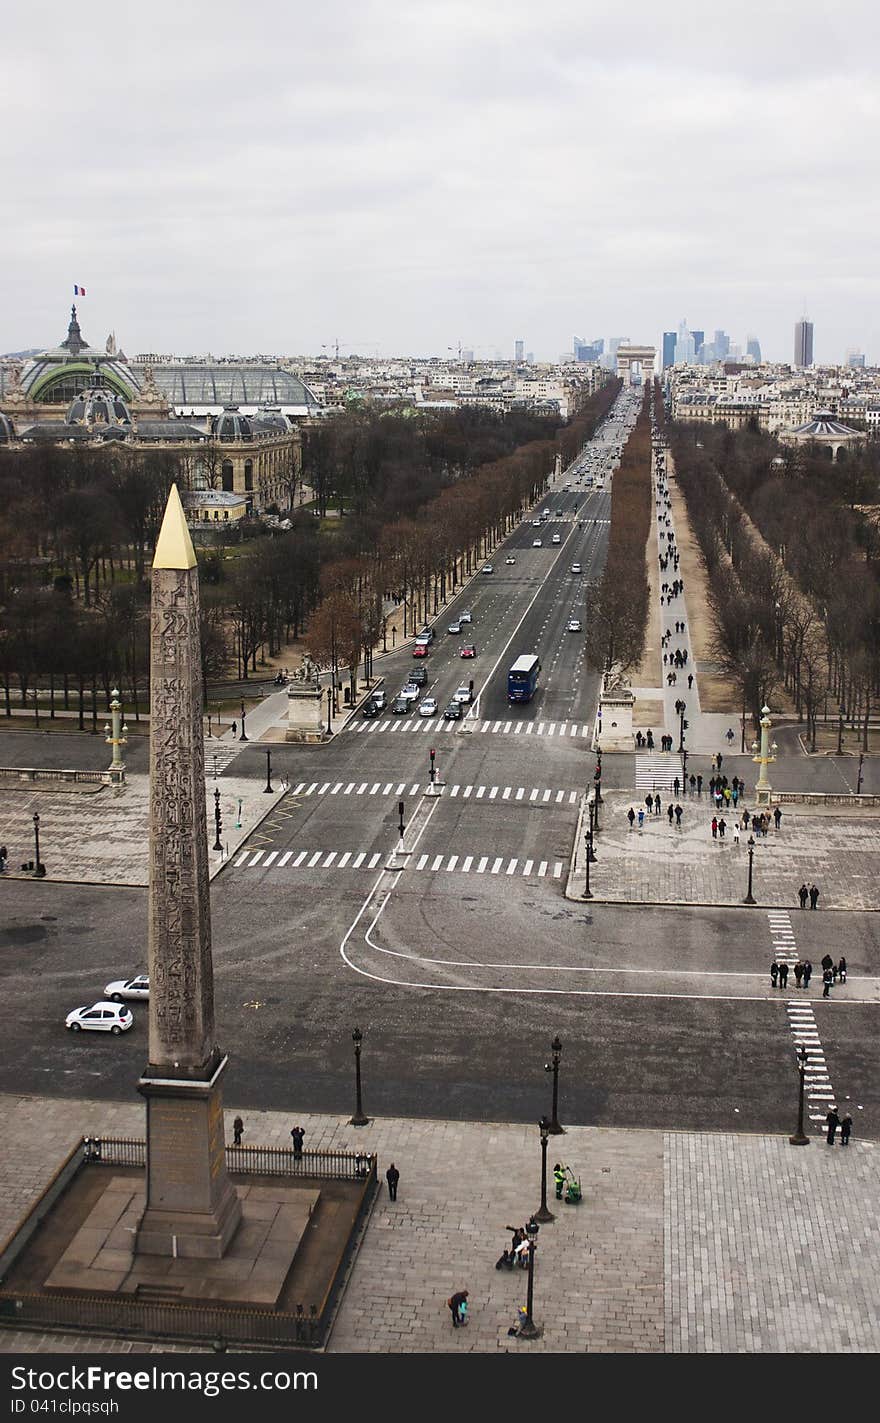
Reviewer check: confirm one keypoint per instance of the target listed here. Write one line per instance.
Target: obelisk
(192, 1209)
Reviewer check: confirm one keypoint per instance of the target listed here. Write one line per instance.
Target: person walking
(777, 817)
(832, 1121)
(699, 785)
(735, 833)
(845, 1129)
(798, 973)
(808, 972)
(841, 969)
(392, 1176)
(827, 980)
(678, 814)
(783, 975)
(676, 787)
(814, 896)
(690, 680)
(631, 817)
(670, 811)
(774, 973)
(803, 895)
(234, 729)
(657, 806)
(298, 1136)
(457, 1304)
(722, 826)
(237, 1131)
(714, 828)
(641, 817)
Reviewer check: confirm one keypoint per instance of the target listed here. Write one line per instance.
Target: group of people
(653, 804)
(833, 1121)
(678, 658)
(803, 971)
(808, 892)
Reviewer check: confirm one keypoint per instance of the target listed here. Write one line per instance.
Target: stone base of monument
(306, 713)
(252, 1271)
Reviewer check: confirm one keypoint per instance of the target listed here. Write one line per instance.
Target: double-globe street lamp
(750, 898)
(218, 820)
(799, 1138)
(543, 1213)
(359, 1119)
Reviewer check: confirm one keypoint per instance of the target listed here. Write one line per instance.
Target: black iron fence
(244, 1160)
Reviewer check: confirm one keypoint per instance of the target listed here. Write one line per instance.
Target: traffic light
(684, 726)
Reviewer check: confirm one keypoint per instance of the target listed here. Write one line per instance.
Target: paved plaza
(684, 1242)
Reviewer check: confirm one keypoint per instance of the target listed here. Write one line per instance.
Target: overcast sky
(270, 177)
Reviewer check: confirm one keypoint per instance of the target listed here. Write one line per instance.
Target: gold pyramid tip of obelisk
(174, 546)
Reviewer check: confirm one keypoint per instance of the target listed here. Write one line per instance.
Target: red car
(468, 650)
(420, 650)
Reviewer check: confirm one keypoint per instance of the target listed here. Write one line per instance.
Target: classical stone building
(240, 435)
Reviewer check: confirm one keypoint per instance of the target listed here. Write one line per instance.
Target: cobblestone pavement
(684, 1242)
(661, 864)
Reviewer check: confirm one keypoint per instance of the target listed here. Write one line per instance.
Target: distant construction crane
(351, 345)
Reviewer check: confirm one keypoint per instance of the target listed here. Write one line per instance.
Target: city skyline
(407, 181)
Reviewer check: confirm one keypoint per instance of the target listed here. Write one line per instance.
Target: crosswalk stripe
(349, 788)
(413, 790)
(374, 788)
(542, 869)
(453, 861)
(497, 865)
(481, 791)
(493, 792)
(557, 870)
(284, 858)
(329, 860)
(467, 791)
(485, 726)
(574, 730)
(511, 868)
(455, 790)
(387, 789)
(520, 793)
(423, 860)
(299, 788)
(241, 859)
(560, 796)
(343, 860)
(269, 858)
(545, 797)
(541, 725)
(337, 788)
(299, 859)
(358, 860)
(255, 859)
(312, 788)
(374, 860)
(484, 860)
(438, 861)
(507, 726)
(323, 790)
(505, 794)
(421, 725)
(517, 728)
(534, 795)
(467, 862)
(362, 787)
(527, 867)
(315, 858)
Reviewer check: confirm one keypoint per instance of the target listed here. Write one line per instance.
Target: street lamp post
(218, 820)
(799, 1139)
(243, 737)
(859, 781)
(591, 807)
(358, 1120)
(267, 789)
(763, 757)
(116, 735)
(543, 1214)
(39, 869)
(529, 1329)
(553, 1126)
(588, 893)
(329, 710)
(750, 899)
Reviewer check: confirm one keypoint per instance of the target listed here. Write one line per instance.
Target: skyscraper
(803, 343)
(699, 339)
(668, 349)
(685, 347)
(721, 342)
(753, 349)
(518, 352)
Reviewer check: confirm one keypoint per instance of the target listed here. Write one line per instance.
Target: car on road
(137, 988)
(428, 706)
(487, 568)
(463, 694)
(100, 1018)
(418, 677)
(469, 650)
(381, 699)
(575, 568)
(537, 543)
(401, 706)
(556, 539)
(454, 627)
(536, 523)
(545, 513)
(510, 558)
(410, 692)
(560, 513)
(453, 712)
(573, 625)
(370, 709)
(420, 649)
(466, 616)
(425, 635)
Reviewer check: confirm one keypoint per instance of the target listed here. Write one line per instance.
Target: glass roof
(231, 385)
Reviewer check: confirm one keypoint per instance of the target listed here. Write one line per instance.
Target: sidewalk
(684, 1242)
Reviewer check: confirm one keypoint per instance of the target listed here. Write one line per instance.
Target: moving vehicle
(556, 539)
(469, 650)
(466, 616)
(453, 712)
(100, 1018)
(575, 568)
(420, 649)
(428, 706)
(510, 558)
(464, 694)
(401, 706)
(370, 709)
(136, 988)
(418, 677)
(574, 625)
(537, 543)
(454, 627)
(380, 698)
(410, 692)
(522, 678)
(487, 568)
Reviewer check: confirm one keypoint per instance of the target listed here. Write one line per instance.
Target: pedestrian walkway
(657, 772)
(437, 726)
(684, 1243)
(335, 860)
(516, 795)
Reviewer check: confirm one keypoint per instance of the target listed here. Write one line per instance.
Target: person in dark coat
(774, 972)
(845, 1129)
(832, 1121)
(392, 1176)
(814, 896)
(783, 975)
(841, 969)
(631, 817)
(798, 973)
(803, 895)
(237, 1130)
(808, 972)
(827, 980)
(298, 1136)
(458, 1307)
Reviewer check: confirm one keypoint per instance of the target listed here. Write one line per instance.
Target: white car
(556, 539)
(510, 558)
(537, 543)
(575, 568)
(487, 568)
(100, 1018)
(466, 616)
(136, 988)
(454, 627)
(428, 706)
(574, 625)
(463, 694)
(409, 693)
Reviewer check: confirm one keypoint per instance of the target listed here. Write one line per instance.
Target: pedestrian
(237, 1130)
(808, 972)
(676, 786)
(735, 833)
(798, 973)
(729, 735)
(734, 796)
(657, 806)
(722, 826)
(832, 1121)
(678, 814)
(234, 729)
(714, 828)
(845, 1129)
(670, 812)
(827, 980)
(690, 680)
(777, 817)
(814, 896)
(774, 972)
(803, 895)
(298, 1136)
(719, 758)
(392, 1176)
(631, 816)
(649, 802)
(650, 739)
(641, 817)
(559, 1179)
(699, 785)
(841, 970)
(783, 975)
(457, 1304)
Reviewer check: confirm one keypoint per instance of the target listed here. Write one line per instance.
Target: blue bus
(522, 678)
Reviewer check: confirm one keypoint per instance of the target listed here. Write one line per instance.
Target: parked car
(428, 706)
(136, 988)
(100, 1018)
(453, 712)
(463, 694)
(556, 539)
(469, 650)
(466, 616)
(454, 627)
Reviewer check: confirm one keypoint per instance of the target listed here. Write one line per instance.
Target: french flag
(79, 291)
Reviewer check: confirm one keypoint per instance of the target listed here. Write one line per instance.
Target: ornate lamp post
(218, 820)
(39, 868)
(116, 735)
(529, 1329)
(243, 737)
(750, 899)
(764, 757)
(329, 710)
(553, 1126)
(358, 1120)
(267, 789)
(799, 1139)
(591, 807)
(543, 1214)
